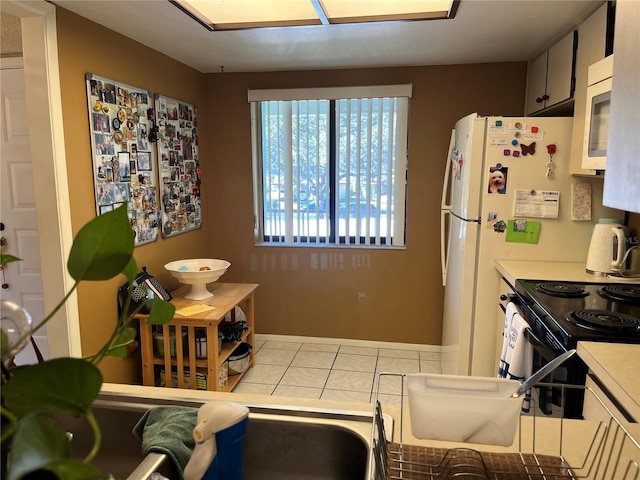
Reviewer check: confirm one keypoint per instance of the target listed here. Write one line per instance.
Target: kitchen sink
(282, 442)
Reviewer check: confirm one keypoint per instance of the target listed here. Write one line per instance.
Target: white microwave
(594, 152)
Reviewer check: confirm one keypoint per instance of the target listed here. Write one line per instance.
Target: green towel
(168, 430)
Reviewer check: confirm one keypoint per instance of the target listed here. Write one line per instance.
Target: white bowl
(189, 272)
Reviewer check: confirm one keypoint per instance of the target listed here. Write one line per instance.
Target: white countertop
(513, 270)
(617, 366)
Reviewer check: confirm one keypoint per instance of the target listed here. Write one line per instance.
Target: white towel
(519, 357)
(516, 361)
(508, 316)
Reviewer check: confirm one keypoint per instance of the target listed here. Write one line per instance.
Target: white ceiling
(482, 31)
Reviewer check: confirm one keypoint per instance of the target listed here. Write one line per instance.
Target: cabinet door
(623, 169)
(592, 34)
(560, 70)
(536, 84)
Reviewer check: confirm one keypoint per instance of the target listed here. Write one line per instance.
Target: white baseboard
(346, 341)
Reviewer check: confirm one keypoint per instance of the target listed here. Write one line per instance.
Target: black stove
(608, 312)
(560, 314)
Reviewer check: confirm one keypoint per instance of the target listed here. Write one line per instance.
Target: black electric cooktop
(586, 311)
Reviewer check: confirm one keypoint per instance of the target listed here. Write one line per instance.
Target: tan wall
(402, 288)
(83, 47)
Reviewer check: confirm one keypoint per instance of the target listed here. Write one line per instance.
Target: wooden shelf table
(226, 296)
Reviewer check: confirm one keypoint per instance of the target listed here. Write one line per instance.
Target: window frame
(335, 238)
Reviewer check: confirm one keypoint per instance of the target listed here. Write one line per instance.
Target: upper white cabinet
(550, 77)
(594, 34)
(623, 150)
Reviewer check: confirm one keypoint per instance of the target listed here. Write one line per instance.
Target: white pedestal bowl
(198, 272)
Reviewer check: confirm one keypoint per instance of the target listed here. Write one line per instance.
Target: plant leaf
(131, 270)
(37, 442)
(125, 337)
(161, 312)
(102, 248)
(7, 258)
(40, 444)
(118, 347)
(119, 352)
(61, 385)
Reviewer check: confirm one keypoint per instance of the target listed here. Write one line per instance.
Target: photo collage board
(121, 120)
(178, 166)
(160, 183)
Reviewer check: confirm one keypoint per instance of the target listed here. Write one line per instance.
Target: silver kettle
(607, 249)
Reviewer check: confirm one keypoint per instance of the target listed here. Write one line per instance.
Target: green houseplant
(32, 441)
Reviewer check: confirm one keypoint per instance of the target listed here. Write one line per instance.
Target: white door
(22, 282)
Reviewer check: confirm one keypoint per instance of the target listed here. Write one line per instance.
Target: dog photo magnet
(497, 184)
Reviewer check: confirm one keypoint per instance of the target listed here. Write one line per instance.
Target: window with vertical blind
(330, 165)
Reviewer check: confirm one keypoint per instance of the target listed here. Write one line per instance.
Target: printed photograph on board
(144, 161)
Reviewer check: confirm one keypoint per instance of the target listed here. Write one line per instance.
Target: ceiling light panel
(240, 14)
(348, 11)
(233, 14)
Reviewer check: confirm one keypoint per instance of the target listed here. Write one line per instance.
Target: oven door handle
(547, 353)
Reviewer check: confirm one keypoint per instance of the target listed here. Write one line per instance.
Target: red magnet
(534, 129)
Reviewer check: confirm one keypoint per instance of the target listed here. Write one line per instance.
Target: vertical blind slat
(347, 159)
(392, 149)
(287, 160)
(278, 159)
(267, 136)
(376, 221)
(327, 176)
(358, 159)
(401, 170)
(296, 161)
(380, 108)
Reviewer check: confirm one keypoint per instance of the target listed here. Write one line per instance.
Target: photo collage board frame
(178, 166)
(121, 123)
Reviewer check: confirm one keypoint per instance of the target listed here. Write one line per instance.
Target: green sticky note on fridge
(523, 231)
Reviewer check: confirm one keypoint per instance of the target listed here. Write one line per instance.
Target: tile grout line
(373, 382)
(335, 356)
(287, 369)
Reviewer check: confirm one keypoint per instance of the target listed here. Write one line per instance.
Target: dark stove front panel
(560, 314)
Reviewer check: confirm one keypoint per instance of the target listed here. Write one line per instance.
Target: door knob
(3, 244)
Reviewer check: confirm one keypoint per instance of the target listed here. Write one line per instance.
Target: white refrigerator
(504, 197)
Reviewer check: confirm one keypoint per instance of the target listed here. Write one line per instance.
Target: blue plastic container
(227, 464)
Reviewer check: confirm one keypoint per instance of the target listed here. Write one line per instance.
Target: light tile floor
(332, 371)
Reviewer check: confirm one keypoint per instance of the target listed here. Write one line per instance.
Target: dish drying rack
(597, 447)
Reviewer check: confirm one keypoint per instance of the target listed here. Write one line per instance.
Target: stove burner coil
(621, 293)
(604, 320)
(558, 289)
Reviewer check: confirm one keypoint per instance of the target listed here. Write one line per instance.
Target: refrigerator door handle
(447, 172)
(444, 246)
